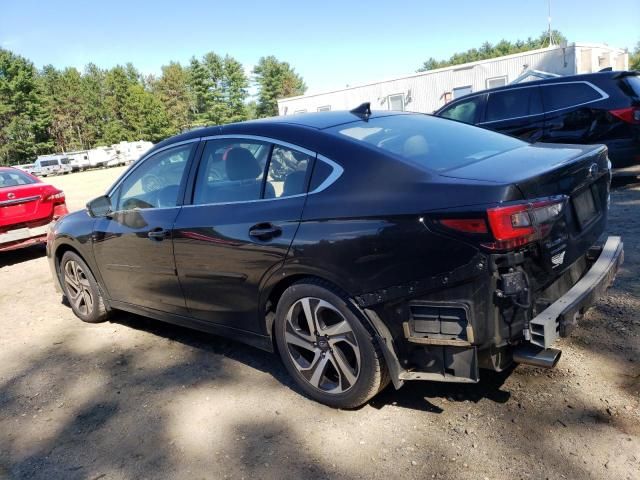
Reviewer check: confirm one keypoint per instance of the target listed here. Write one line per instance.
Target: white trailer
(427, 91)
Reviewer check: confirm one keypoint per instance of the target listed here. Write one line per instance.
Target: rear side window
(287, 173)
(15, 178)
(428, 141)
(564, 95)
(519, 102)
(466, 111)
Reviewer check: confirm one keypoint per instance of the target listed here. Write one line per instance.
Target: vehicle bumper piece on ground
(562, 315)
(23, 237)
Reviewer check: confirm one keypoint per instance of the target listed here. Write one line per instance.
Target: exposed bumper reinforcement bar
(562, 315)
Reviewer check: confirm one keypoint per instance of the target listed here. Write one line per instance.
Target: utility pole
(551, 43)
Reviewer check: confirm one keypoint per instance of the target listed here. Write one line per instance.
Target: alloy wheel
(322, 345)
(78, 287)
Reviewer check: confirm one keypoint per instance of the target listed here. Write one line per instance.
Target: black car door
(247, 200)
(132, 246)
(569, 117)
(516, 112)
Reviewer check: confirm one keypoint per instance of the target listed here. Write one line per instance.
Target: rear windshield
(432, 142)
(15, 178)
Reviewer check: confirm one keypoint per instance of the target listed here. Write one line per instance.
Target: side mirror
(99, 207)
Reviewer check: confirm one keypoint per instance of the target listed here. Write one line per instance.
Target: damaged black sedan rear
(364, 247)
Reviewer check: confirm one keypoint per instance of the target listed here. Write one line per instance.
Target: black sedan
(365, 248)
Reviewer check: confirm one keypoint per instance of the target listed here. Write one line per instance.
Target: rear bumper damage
(436, 340)
(562, 316)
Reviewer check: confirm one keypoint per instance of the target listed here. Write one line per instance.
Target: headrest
(241, 164)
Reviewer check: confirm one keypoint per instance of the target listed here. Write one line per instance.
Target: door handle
(264, 231)
(158, 234)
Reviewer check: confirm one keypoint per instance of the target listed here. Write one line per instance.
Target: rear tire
(326, 347)
(81, 289)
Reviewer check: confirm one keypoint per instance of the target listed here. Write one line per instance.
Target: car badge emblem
(558, 259)
(593, 169)
(11, 196)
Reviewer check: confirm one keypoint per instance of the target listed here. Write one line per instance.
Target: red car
(27, 207)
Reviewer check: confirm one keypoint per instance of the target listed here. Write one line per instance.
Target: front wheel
(81, 289)
(326, 347)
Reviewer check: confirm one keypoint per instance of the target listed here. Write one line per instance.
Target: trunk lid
(579, 172)
(24, 204)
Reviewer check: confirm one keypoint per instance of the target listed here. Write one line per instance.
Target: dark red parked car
(27, 207)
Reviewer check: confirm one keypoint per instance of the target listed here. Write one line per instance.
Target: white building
(428, 91)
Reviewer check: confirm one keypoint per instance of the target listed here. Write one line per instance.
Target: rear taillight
(466, 225)
(59, 203)
(522, 223)
(56, 196)
(628, 115)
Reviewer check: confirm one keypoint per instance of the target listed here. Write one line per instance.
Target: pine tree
(236, 86)
(172, 90)
(24, 120)
(275, 80)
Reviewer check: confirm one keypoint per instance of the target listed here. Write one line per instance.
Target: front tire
(81, 289)
(326, 347)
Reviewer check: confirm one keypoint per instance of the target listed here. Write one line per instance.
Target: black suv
(601, 107)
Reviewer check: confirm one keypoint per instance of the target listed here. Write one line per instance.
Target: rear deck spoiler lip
(626, 73)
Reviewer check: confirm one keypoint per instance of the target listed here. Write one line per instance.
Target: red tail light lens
(57, 196)
(466, 225)
(628, 115)
(59, 203)
(517, 225)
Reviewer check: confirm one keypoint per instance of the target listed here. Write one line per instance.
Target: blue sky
(331, 43)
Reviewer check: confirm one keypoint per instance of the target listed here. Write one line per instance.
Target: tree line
(55, 110)
(489, 50)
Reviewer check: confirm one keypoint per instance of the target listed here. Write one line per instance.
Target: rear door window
(466, 111)
(565, 95)
(231, 170)
(515, 103)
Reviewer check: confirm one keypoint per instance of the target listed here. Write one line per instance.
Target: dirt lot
(134, 398)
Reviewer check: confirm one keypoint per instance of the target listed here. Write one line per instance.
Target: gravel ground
(134, 398)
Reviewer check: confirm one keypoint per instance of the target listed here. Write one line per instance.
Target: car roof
(581, 77)
(314, 120)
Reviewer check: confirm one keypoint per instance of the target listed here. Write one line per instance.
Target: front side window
(428, 141)
(519, 102)
(156, 182)
(396, 102)
(564, 95)
(15, 178)
(466, 111)
(231, 170)
(288, 172)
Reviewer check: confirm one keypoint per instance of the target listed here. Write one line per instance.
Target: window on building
(396, 102)
(300, 111)
(496, 82)
(325, 108)
(563, 95)
(461, 91)
(519, 102)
